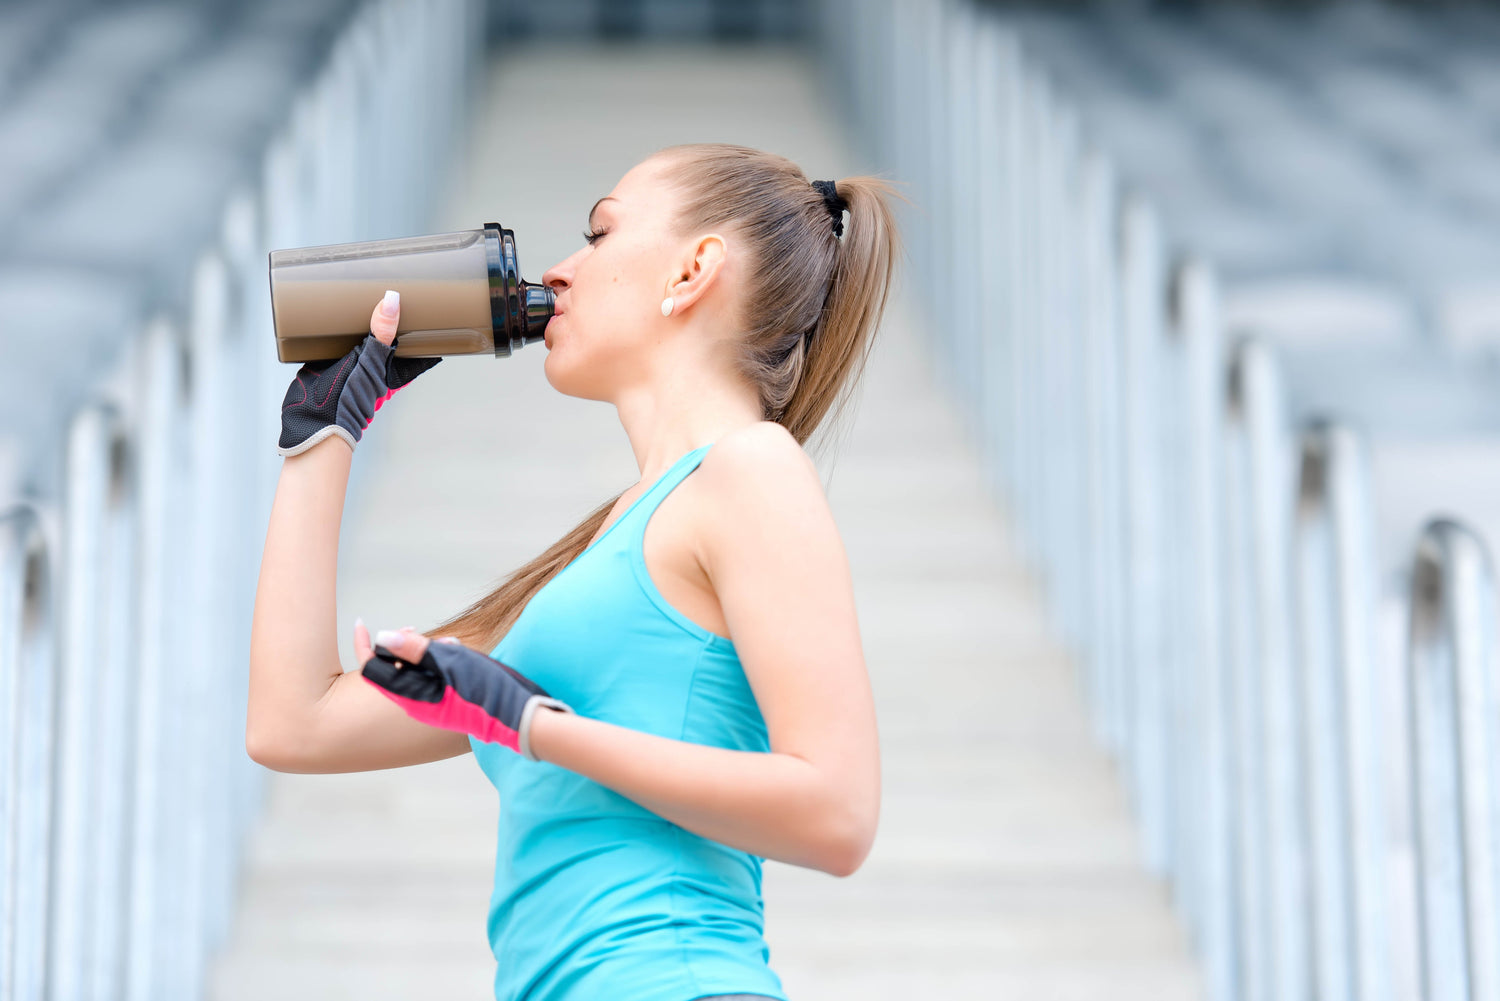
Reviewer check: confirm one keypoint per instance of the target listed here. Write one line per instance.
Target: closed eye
(591, 236)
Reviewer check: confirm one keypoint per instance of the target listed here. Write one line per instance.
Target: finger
(385, 317)
(408, 646)
(362, 648)
(448, 639)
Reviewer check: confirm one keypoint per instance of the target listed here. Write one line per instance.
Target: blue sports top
(595, 896)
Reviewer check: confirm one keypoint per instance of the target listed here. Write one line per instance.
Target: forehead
(641, 188)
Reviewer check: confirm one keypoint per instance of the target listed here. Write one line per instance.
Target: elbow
(850, 846)
(271, 750)
(261, 745)
(847, 856)
(262, 750)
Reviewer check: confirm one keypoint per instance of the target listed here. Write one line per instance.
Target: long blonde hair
(800, 276)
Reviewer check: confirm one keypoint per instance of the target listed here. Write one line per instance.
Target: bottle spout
(538, 306)
(519, 310)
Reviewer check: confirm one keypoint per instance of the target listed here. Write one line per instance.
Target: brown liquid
(322, 297)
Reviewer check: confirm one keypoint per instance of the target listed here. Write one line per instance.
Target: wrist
(535, 721)
(325, 459)
(316, 439)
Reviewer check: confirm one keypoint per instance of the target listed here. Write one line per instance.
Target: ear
(698, 272)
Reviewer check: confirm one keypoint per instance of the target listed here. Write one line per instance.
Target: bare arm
(305, 713)
(774, 805)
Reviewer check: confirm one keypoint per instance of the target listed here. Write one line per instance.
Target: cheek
(626, 278)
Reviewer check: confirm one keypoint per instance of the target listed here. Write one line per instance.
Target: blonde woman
(660, 710)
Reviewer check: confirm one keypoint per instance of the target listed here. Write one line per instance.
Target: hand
(340, 397)
(449, 685)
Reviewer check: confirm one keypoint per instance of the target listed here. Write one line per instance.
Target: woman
(710, 704)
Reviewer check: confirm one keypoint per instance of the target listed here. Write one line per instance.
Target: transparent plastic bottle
(461, 294)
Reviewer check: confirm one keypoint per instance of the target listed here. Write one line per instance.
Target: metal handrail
(1215, 575)
(1142, 278)
(1252, 496)
(1105, 481)
(87, 889)
(1345, 871)
(27, 676)
(125, 790)
(1454, 711)
(1205, 887)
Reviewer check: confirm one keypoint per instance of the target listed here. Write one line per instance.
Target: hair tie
(835, 204)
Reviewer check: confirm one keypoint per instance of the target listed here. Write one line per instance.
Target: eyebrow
(606, 198)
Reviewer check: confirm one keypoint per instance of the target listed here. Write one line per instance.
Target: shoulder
(759, 457)
(762, 495)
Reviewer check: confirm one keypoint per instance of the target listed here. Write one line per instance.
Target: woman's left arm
(778, 567)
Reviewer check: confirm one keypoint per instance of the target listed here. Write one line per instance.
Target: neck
(686, 405)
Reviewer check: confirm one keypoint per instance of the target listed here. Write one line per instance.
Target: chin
(569, 381)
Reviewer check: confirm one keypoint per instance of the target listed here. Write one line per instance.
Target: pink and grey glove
(341, 396)
(458, 688)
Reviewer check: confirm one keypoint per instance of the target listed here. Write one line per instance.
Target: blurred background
(1169, 491)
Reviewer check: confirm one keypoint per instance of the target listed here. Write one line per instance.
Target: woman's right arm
(305, 713)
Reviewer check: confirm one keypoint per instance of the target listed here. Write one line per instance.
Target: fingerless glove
(341, 396)
(458, 688)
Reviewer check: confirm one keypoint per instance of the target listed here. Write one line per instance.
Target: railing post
(1452, 678)
(1204, 817)
(1142, 299)
(113, 743)
(28, 674)
(995, 223)
(1281, 798)
(154, 844)
(1060, 416)
(1034, 109)
(244, 354)
(1342, 760)
(85, 883)
(1103, 403)
(1251, 431)
(203, 635)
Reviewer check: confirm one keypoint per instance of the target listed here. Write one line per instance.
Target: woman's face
(608, 295)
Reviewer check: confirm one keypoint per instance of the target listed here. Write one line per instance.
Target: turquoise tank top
(595, 896)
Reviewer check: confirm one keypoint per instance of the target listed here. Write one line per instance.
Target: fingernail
(391, 304)
(358, 623)
(387, 638)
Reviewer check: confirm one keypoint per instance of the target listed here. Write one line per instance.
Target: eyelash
(591, 236)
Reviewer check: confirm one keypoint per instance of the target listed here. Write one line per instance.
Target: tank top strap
(674, 475)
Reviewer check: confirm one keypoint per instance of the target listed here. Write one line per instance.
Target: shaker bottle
(461, 294)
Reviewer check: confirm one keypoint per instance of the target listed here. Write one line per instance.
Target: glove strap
(524, 730)
(315, 437)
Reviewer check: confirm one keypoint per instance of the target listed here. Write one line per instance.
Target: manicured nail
(358, 624)
(391, 304)
(387, 638)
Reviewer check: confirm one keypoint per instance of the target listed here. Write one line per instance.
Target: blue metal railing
(1454, 715)
(128, 544)
(1188, 451)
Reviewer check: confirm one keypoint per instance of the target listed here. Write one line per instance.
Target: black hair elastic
(836, 205)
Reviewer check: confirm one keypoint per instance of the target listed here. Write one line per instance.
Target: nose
(559, 276)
